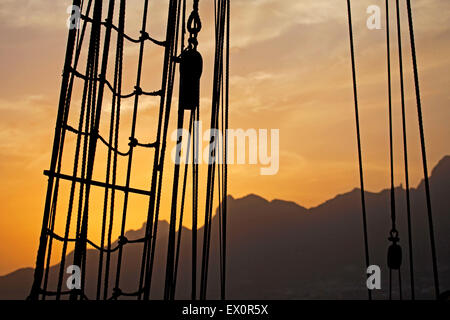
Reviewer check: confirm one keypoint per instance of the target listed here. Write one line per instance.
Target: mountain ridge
(281, 250)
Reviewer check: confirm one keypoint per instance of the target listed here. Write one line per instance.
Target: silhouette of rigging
(87, 134)
(358, 136)
(394, 257)
(405, 152)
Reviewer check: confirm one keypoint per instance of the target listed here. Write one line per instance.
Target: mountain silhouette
(280, 250)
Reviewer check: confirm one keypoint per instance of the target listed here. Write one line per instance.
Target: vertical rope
(423, 149)
(195, 159)
(169, 285)
(225, 174)
(113, 133)
(183, 196)
(220, 167)
(118, 89)
(108, 171)
(391, 147)
(77, 152)
(79, 42)
(218, 74)
(173, 214)
(405, 152)
(152, 215)
(80, 245)
(358, 134)
(132, 136)
(158, 168)
(40, 259)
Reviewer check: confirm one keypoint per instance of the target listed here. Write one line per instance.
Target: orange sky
(290, 71)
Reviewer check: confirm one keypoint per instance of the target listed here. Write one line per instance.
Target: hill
(280, 250)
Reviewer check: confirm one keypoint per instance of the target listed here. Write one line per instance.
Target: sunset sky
(290, 70)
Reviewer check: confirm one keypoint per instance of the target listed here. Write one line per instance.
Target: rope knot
(144, 36)
(123, 240)
(101, 77)
(133, 142)
(108, 22)
(193, 41)
(138, 90)
(116, 293)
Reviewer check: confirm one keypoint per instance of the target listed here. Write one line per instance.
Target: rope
(183, 26)
(220, 171)
(77, 152)
(71, 292)
(118, 87)
(117, 292)
(132, 144)
(63, 132)
(144, 35)
(158, 166)
(120, 243)
(39, 270)
(80, 246)
(218, 74)
(88, 132)
(392, 238)
(137, 90)
(423, 149)
(183, 194)
(171, 238)
(225, 155)
(405, 152)
(391, 152)
(82, 113)
(82, 219)
(192, 120)
(358, 134)
(219, 209)
(168, 288)
(132, 135)
(61, 149)
(110, 148)
(195, 205)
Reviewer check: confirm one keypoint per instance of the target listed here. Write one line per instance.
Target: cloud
(260, 20)
(34, 14)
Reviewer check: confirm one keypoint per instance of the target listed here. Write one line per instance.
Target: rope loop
(194, 25)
